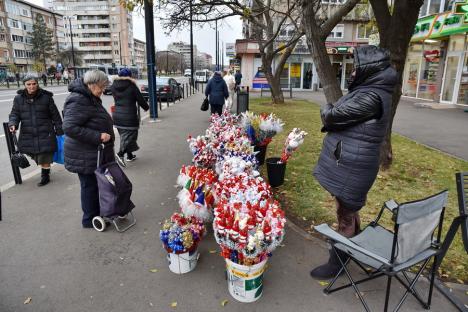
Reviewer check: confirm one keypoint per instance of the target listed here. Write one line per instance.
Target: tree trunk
(322, 62)
(273, 80)
(395, 32)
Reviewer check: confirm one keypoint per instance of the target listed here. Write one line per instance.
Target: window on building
(433, 6)
(116, 43)
(28, 40)
(13, 23)
(116, 52)
(1, 22)
(364, 31)
(334, 1)
(16, 38)
(25, 12)
(2, 37)
(337, 32)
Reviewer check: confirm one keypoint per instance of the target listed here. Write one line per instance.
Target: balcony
(360, 13)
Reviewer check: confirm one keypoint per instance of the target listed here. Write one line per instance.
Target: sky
(203, 35)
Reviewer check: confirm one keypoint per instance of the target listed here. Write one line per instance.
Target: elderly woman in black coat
(87, 124)
(217, 92)
(356, 127)
(35, 112)
(128, 100)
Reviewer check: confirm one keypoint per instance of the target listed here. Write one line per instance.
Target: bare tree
(396, 25)
(318, 23)
(269, 19)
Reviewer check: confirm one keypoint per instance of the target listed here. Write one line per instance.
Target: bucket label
(254, 283)
(259, 291)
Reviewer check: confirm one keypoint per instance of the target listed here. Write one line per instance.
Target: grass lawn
(417, 172)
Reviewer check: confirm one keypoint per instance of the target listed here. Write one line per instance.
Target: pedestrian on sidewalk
(35, 113)
(65, 76)
(44, 79)
(355, 125)
(217, 93)
(127, 100)
(87, 124)
(238, 78)
(231, 84)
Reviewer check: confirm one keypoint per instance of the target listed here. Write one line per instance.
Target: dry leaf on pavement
(153, 270)
(224, 302)
(28, 300)
(323, 283)
(174, 304)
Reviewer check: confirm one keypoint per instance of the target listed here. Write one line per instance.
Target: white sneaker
(120, 160)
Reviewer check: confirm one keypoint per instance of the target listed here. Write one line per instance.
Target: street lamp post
(216, 43)
(71, 40)
(120, 49)
(150, 54)
(191, 46)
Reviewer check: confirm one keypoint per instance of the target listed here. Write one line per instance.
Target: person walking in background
(66, 77)
(44, 79)
(217, 92)
(238, 78)
(58, 76)
(355, 127)
(87, 124)
(231, 84)
(127, 100)
(35, 114)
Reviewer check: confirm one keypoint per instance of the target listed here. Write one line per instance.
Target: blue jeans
(89, 198)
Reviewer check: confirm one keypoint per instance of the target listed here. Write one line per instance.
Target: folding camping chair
(391, 254)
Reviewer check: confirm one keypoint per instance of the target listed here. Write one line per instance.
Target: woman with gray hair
(35, 112)
(87, 124)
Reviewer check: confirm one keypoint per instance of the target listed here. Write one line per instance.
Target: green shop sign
(443, 24)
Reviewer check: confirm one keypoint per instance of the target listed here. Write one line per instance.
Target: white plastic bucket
(245, 283)
(184, 262)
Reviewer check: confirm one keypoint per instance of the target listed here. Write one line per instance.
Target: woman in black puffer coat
(356, 127)
(218, 92)
(35, 112)
(126, 116)
(87, 124)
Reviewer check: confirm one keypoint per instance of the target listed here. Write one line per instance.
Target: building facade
(16, 24)
(102, 30)
(140, 56)
(205, 61)
(184, 49)
(436, 67)
(299, 71)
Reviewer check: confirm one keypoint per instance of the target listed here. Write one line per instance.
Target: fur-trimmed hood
(122, 83)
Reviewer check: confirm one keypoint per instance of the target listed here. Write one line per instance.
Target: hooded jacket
(356, 127)
(39, 121)
(84, 120)
(217, 90)
(127, 98)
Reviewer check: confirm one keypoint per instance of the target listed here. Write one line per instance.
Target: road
(6, 102)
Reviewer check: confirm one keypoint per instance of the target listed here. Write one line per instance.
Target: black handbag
(205, 105)
(18, 159)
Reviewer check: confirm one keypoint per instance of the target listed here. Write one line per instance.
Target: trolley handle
(100, 153)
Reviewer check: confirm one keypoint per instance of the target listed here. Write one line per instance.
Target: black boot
(329, 269)
(45, 177)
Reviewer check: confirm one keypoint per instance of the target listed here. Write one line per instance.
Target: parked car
(188, 73)
(168, 89)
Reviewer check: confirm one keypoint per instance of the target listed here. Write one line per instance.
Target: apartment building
(140, 56)
(102, 30)
(299, 71)
(204, 60)
(16, 23)
(184, 49)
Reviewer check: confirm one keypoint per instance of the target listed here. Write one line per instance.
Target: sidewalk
(46, 255)
(442, 129)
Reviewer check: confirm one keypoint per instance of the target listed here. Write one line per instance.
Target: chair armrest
(391, 205)
(325, 230)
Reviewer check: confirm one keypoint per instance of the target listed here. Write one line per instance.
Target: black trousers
(217, 109)
(89, 198)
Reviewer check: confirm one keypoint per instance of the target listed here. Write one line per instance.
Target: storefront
(437, 63)
(299, 72)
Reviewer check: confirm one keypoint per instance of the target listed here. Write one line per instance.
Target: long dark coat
(127, 98)
(39, 122)
(84, 120)
(356, 126)
(217, 90)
